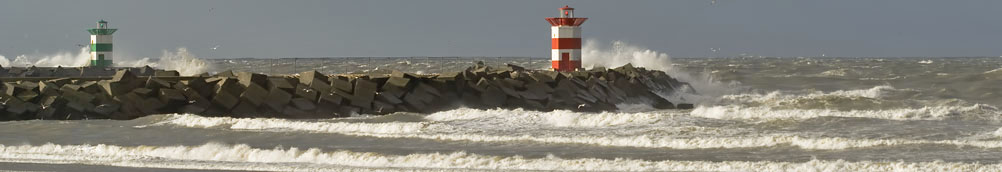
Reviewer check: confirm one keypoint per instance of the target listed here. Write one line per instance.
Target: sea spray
(702, 87)
(65, 59)
(4, 62)
(181, 60)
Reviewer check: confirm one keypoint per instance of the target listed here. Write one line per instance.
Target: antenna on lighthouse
(565, 40)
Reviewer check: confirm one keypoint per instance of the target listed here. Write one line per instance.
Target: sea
(752, 113)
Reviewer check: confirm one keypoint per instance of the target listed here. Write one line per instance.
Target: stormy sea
(752, 114)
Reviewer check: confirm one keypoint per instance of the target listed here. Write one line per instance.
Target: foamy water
(244, 157)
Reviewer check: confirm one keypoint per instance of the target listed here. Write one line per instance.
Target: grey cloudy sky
(507, 28)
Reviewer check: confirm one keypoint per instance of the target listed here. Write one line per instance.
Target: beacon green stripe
(100, 47)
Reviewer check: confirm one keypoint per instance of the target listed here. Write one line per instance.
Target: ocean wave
(215, 156)
(560, 118)
(188, 120)
(433, 131)
(978, 111)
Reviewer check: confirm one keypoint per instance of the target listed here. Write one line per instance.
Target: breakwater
(311, 94)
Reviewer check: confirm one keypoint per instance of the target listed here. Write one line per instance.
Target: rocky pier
(131, 93)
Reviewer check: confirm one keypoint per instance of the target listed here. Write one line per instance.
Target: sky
(395, 28)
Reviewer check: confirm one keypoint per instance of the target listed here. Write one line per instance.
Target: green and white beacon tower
(100, 45)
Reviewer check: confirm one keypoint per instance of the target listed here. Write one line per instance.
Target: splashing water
(4, 62)
(620, 53)
(58, 59)
(181, 60)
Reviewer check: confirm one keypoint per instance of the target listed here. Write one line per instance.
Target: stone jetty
(130, 94)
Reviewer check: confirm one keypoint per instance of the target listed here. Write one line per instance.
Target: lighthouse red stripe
(566, 43)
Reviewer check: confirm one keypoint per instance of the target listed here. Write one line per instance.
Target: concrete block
(255, 94)
(53, 102)
(365, 92)
(277, 99)
(60, 81)
(225, 74)
(416, 101)
(303, 104)
(47, 88)
(388, 98)
(332, 99)
(155, 84)
(90, 87)
(78, 106)
(280, 83)
(70, 87)
(144, 92)
(28, 96)
(194, 98)
(584, 95)
(303, 91)
(493, 97)
(200, 86)
(429, 89)
(124, 76)
(114, 89)
(246, 79)
(192, 109)
(308, 77)
(383, 107)
(168, 73)
(342, 83)
(545, 76)
(396, 86)
(293, 112)
(172, 97)
(106, 109)
(150, 106)
(225, 100)
(685, 106)
(482, 85)
(230, 86)
(245, 109)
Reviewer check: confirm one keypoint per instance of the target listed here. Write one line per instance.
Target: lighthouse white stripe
(100, 39)
(574, 53)
(565, 32)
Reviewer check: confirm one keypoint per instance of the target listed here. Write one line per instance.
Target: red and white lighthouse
(566, 40)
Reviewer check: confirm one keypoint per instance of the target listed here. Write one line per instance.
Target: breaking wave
(880, 102)
(216, 156)
(442, 131)
(594, 54)
(180, 60)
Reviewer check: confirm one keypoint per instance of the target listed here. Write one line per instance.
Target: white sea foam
(271, 124)
(243, 157)
(4, 62)
(769, 113)
(65, 59)
(561, 118)
(439, 131)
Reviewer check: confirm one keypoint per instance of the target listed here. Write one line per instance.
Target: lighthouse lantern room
(100, 45)
(566, 40)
